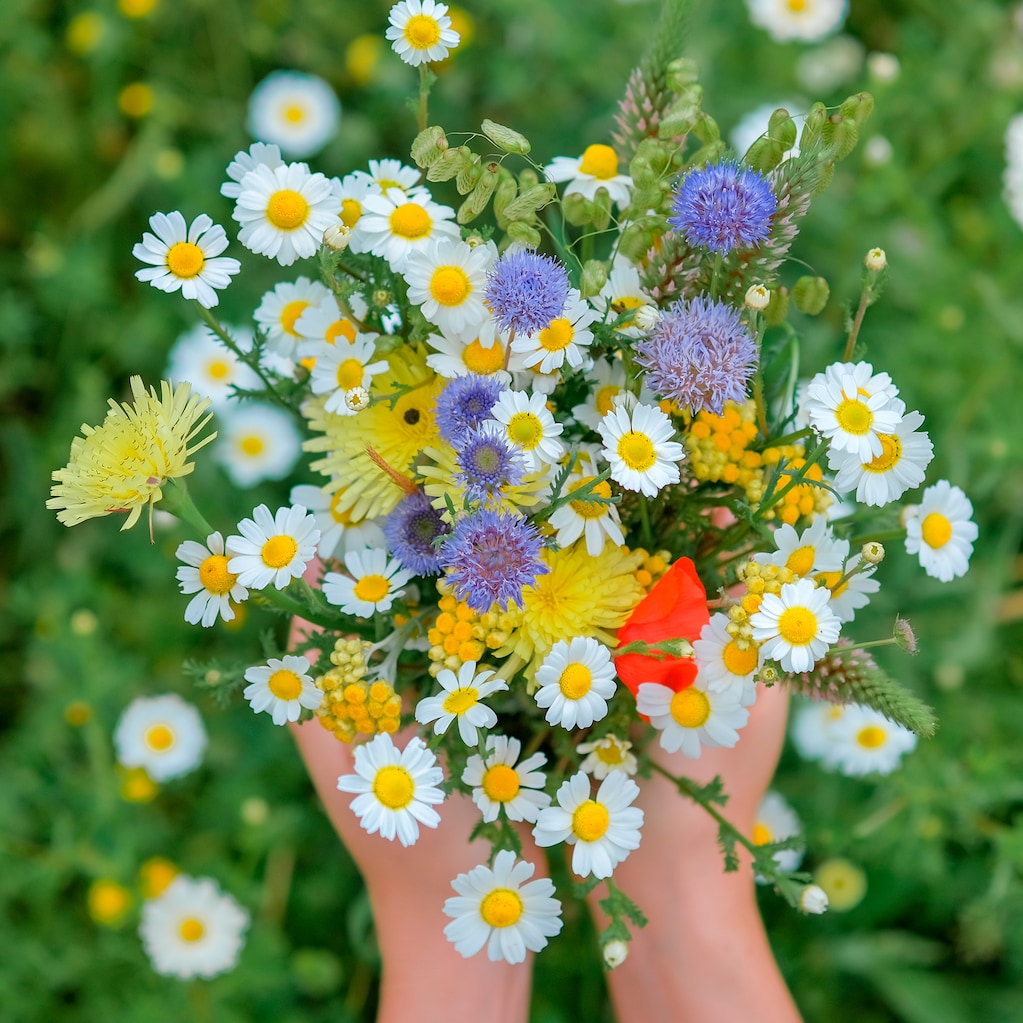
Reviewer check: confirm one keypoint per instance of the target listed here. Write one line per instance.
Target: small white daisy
(460, 699)
(802, 20)
(596, 168)
(639, 448)
(940, 531)
(447, 281)
(280, 310)
(864, 741)
(528, 425)
(340, 367)
(375, 582)
(395, 790)
(849, 596)
(814, 549)
(494, 908)
(338, 534)
(692, 718)
(603, 828)
(607, 754)
(394, 225)
(186, 257)
(282, 687)
(623, 294)
(384, 175)
(608, 382)
(599, 522)
(565, 339)
(796, 627)
(499, 783)
(452, 358)
(295, 111)
(256, 442)
(327, 323)
(246, 160)
(776, 821)
(205, 574)
(284, 211)
(721, 664)
(575, 681)
(192, 929)
(812, 727)
(273, 548)
(420, 31)
(163, 734)
(200, 357)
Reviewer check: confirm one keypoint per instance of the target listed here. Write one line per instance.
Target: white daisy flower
(186, 257)
(622, 293)
(338, 534)
(529, 427)
(692, 718)
(796, 627)
(814, 549)
(639, 448)
(282, 687)
(384, 175)
(256, 442)
(604, 828)
(940, 531)
(284, 211)
(499, 783)
(452, 358)
(395, 790)
(597, 521)
(776, 821)
(375, 582)
(851, 405)
(565, 339)
(192, 929)
(297, 112)
(802, 20)
(246, 160)
(848, 596)
(608, 381)
(273, 548)
(460, 699)
(812, 727)
(575, 681)
(394, 225)
(905, 454)
(200, 357)
(349, 193)
(596, 168)
(420, 31)
(721, 664)
(447, 281)
(339, 368)
(494, 908)
(864, 741)
(327, 323)
(280, 310)
(163, 734)
(205, 574)
(607, 754)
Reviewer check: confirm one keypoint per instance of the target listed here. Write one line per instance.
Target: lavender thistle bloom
(410, 531)
(700, 354)
(724, 206)
(525, 291)
(491, 557)
(464, 405)
(488, 463)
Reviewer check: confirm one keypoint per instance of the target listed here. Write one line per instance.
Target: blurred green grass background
(92, 617)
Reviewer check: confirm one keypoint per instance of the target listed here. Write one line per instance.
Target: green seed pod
(449, 164)
(602, 209)
(518, 231)
(506, 190)
(577, 209)
(827, 172)
(469, 175)
(681, 72)
(778, 308)
(813, 126)
(478, 198)
(525, 206)
(810, 294)
(429, 145)
(527, 178)
(593, 278)
(765, 154)
(505, 138)
(781, 128)
(652, 162)
(841, 136)
(638, 237)
(857, 108)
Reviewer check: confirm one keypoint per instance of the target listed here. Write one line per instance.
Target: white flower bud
(876, 259)
(615, 953)
(758, 298)
(768, 674)
(647, 317)
(872, 552)
(357, 398)
(813, 899)
(337, 237)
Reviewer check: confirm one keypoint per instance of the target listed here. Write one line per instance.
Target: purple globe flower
(488, 463)
(723, 207)
(491, 557)
(525, 291)
(464, 405)
(700, 354)
(410, 531)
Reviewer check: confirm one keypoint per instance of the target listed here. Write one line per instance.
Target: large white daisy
(454, 358)
(246, 160)
(940, 531)
(374, 583)
(256, 442)
(298, 112)
(162, 734)
(205, 574)
(564, 340)
(528, 425)
(802, 20)
(447, 282)
(694, 717)
(395, 225)
(420, 31)
(461, 699)
(575, 681)
(864, 741)
(502, 782)
(273, 548)
(341, 367)
(639, 448)
(796, 626)
(282, 688)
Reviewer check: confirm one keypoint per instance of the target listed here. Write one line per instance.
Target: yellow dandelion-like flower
(123, 464)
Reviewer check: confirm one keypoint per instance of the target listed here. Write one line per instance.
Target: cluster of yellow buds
(652, 567)
(718, 446)
(758, 580)
(461, 634)
(803, 501)
(351, 705)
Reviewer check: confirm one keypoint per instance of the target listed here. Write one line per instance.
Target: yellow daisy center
(450, 285)
(159, 738)
(525, 429)
(461, 700)
(284, 684)
(372, 588)
(801, 560)
(830, 581)
(575, 681)
(214, 576)
(339, 328)
(344, 517)
(294, 114)
(609, 754)
(605, 398)
(590, 509)
(290, 314)
(854, 417)
(287, 210)
(411, 221)
(501, 908)
(636, 450)
(600, 161)
(501, 783)
(871, 737)
(349, 374)
(218, 369)
(191, 929)
(478, 359)
(797, 626)
(394, 787)
(891, 454)
(796, 6)
(737, 660)
(279, 550)
(251, 445)
(761, 834)
(185, 259)
(351, 210)
(935, 530)
(557, 335)
(422, 32)
(590, 821)
(690, 707)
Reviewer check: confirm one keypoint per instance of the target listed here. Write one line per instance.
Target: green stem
(424, 93)
(715, 277)
(178, 501)
(889, 534)
(798, 479)
(646, 534)
(296, 608)
(854, 330)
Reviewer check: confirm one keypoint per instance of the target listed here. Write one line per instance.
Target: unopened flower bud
(876, 260)
(813, 899)
(357, 398)
(768, 675)
(757, 297)
(905, 637)
(381, 298)
(594, 277)
(811, 294)
(337, 237)
(647, 317)
(615, 953)
(873, 552)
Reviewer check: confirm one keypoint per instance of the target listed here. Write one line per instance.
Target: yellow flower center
(854, 417)
(185, 259)
(797, 626)
(214, 576)
(191, 929)
(871, 737)
(636, 450)
(501, 908)
(891, 454)
(478, 359)
(575, 681)
(411, 221)
(393, 786)
(590, 821)
(279, 550)
(251, 445)
(339, 328)
(108, 901)
(796, 6)
(422, 32)
(590, 509)
(450, 285)
(372, 588)
(556, 335)
(737, 660)
(218, 369)
(344, 517)
(801, 560)
(935, 530)
(294, 114)
(525, 430)
(609, 754)
(605, 398)
(284, 684)
(501, 783)
(761, 834)
(600, 161)
(290, 314)
(830, 581)
(351, 210)
(287, 210)
(461, 700)
(690, 707)
(159, 738)
(349, 374)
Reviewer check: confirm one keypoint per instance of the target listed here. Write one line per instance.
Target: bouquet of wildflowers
(579, 498)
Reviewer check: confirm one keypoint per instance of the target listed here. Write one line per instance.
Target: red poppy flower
(676, 608)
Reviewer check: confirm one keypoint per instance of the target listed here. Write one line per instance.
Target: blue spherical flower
(464, 405)
(525, 291)
(724, 206)
(410, 531)
(700, 354)
(488, 463)
(491, 557)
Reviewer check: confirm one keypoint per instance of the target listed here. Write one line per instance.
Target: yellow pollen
(251, 445)
(871, 737)
(797, 626)
(290, 314)
(557, 335)
(590, 821)
(461, 700)
(279, 550)
(891, 454)
(636, 450)
(935, 530)
(450, 285)
(796, 6)
(393, 786)
(349, 374)
(590, 509)
(284, 684)
(609, 754)
(854, 417)
(576, 681)
(344, 517)
(214, 576)
(287, 210)
(218, 369)
(294, 114)
(501, 908)
(372, 588)
(422, 32)
(410, 221)
(159, 738)
(690, 707)
(351, 210)
(605, 398)
(191, 929)
(478, 359)
(737, 660)
(501, 783)
(761, 834)
(185, 260)
(525, 430)
(801, 560)
(600, 161)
